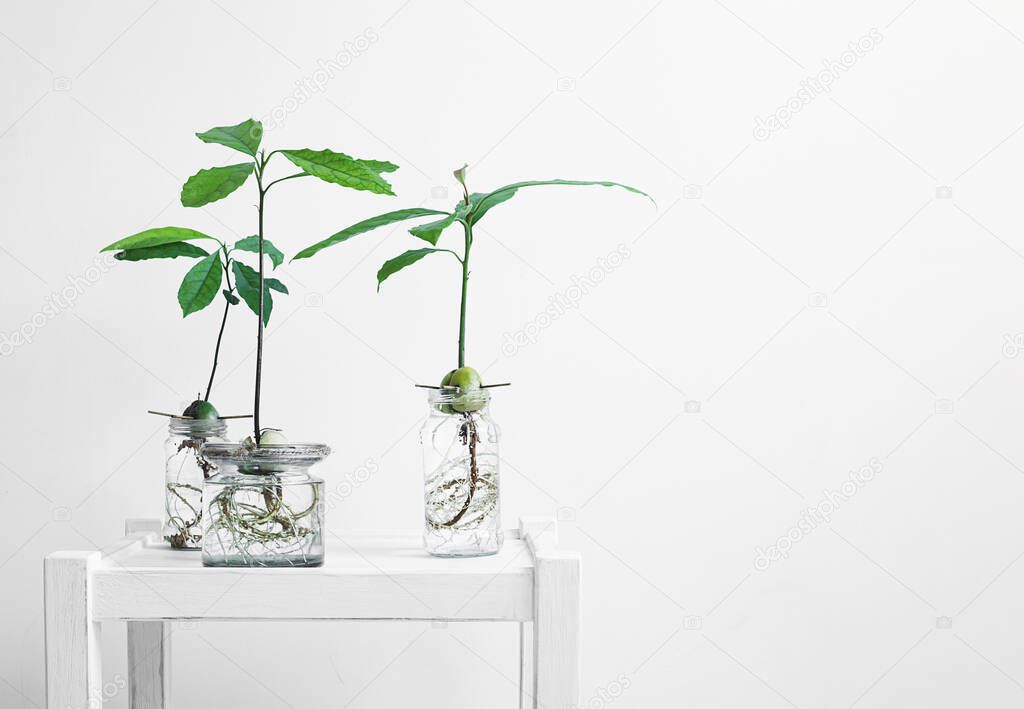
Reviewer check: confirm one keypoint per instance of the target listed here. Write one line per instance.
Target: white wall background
(848, 290)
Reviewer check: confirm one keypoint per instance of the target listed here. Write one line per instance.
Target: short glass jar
(462, 510)
(185, 469)
(262, 507)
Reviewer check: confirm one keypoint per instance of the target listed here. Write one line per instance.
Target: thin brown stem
(223, 322)
(216, 350)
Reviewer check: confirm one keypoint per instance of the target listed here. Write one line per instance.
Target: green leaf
(365, 226)
(431, 231)
(230, 297)
(200, 285)
(245, 137)
(214, 183)
(399, 262)
(496, 197)
(171, 250)
(275, 284)
(156, 237)
(460, 175)
(341, 169)
(379, 166)
(252, 244)
(474, 208)
(247, 281)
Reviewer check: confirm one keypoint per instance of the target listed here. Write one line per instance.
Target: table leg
(556, 630)
(526, 674)
(149, 671)
(73, 673)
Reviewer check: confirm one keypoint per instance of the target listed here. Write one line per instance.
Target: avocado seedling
(218, 268)
(242, 526)
(462, 389)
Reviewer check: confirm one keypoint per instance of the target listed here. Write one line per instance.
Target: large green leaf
(247, 282)
(245, 137)
(156, 237)
(365, 226)
(340, 169)
(399, 262)
(171, 250)
(431, 231)
(214, 183)
(200, 285)
(252, 244)
(496, 197)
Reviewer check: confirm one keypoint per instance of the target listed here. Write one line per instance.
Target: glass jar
(460, 465)
(262, 507)
(185, 469)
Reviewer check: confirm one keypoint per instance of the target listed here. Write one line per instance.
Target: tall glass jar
(185, 469)
(262, 507)
(462, 508)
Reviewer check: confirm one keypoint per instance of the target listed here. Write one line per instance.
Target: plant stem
(290, 177)
(259, 317)
(223, 322)
(216, 350)
(465, 289)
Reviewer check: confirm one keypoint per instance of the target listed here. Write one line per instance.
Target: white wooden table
(366, 576)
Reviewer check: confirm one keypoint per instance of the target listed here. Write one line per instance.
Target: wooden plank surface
(365, 576)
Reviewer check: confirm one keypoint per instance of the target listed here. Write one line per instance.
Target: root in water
(469, 496)
(256, 531)
(184, 500)
(467, 436)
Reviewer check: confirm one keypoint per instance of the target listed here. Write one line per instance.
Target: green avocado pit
(200, 409)
(468, 397)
